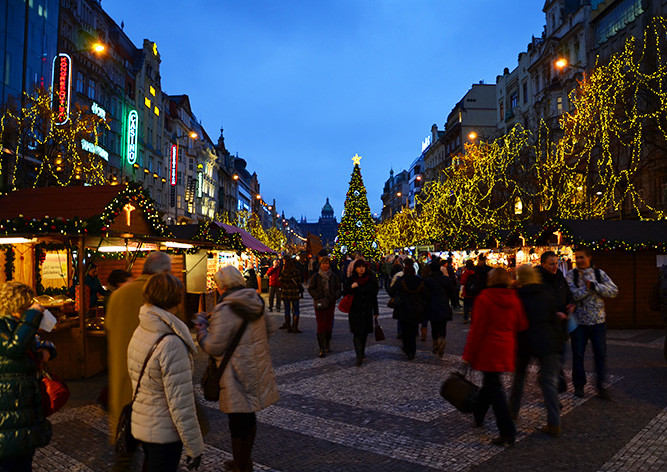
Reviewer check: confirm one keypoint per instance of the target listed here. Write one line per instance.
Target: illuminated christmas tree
(357, 231)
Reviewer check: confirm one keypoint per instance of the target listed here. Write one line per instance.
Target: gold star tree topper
(356, 159)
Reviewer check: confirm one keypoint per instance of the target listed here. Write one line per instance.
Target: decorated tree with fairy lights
(357, 232)
(57, 151)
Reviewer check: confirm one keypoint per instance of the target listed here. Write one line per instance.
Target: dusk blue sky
(301, 86)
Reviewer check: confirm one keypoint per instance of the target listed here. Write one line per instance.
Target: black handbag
(125, 443)
(211, 381)
(379, 333)
(460, 392)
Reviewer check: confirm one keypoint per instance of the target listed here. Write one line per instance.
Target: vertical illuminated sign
(132, 131)
(200, 181)
(174, 164)
(62, 79)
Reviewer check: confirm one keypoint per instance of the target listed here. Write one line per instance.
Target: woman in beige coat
(248, 383)
(164, 418)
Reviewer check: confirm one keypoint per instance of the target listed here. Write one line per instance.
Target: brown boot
(442, 342)
(424, 333)
(552, 430)
(286, 324)
(295, 326)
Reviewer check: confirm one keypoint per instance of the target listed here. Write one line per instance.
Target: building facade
(326, 227)
(395, 193)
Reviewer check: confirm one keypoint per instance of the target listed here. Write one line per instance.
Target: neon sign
(98, 110)
(200, 181)
(62, 78)
(132, 130)
(174, 164)
(94, 149)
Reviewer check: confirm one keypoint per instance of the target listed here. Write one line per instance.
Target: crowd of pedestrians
(512, 323)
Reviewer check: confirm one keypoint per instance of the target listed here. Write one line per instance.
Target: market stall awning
(58, 202)
(247, 239)
(81, 210)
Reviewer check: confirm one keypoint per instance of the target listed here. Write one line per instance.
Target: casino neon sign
(174, 164)
(62, 78)
(132, 131)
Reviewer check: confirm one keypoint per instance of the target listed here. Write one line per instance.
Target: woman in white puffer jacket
(164, 418)
(248, 383)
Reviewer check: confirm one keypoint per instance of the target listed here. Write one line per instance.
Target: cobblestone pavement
(388, 415)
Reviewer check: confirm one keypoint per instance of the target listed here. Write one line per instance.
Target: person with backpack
(589, 286)
(414, 296)
(469, 273)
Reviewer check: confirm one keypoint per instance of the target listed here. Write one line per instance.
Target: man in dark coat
(553, 278)
(438, 311)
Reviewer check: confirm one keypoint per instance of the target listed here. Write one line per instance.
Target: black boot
(320, 342)
(286, 324)
(327, 342)
(358, 349)
(295, 325)
(363, 346)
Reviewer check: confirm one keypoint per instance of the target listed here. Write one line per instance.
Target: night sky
(300, 87)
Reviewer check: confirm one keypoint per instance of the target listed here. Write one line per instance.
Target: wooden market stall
(48, 237)
(630, 251)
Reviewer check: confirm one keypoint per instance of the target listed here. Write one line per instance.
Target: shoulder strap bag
(211, 381)
(125, 443)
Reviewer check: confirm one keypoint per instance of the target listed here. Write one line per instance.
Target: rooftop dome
(327, 210)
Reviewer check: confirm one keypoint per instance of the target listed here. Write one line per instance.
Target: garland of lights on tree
(356, 232)
(593, 163)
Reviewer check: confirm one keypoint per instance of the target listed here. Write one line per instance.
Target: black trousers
(162, 457)
(439, 328)
(492, 394)
(241, 425)
(410, 338)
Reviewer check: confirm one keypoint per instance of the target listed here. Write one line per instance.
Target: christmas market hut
(48, 239)
(629, 251)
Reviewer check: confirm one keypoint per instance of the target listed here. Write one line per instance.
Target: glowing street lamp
(236, 177)
(99, 47)
(193, 135)
(560, 63)
(472, 136)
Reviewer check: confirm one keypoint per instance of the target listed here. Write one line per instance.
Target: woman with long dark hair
(364, 288)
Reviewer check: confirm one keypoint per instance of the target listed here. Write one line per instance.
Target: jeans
(17, 463)
(324, 319)
(579, 338)
(492, 394)
(409, 338)
(274, 292)
(548, 382)
(467, 308)
(162, 457)
(291, 308)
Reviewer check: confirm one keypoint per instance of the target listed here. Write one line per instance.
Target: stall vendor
(92, 281)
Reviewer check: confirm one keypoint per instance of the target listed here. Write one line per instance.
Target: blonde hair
(526, 275)
(229, 277)
(498, 276)
(15, 297)
(163, 290)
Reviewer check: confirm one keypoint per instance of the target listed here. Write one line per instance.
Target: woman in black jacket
(413, 297)
(325, 289)
(364, 288)
(438, 310)
(541, 340)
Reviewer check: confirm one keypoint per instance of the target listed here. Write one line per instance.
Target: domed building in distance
(326, 227)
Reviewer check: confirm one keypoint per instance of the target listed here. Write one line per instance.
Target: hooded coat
(492, 341)
(364, 303)
(248, 384)
(23, 427)
(164, 409)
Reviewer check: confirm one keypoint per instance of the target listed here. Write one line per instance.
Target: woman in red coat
(491, 348)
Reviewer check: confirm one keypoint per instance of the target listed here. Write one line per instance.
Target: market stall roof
(81, 210)
(62, 202)
(248, 240)
(631, 231)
